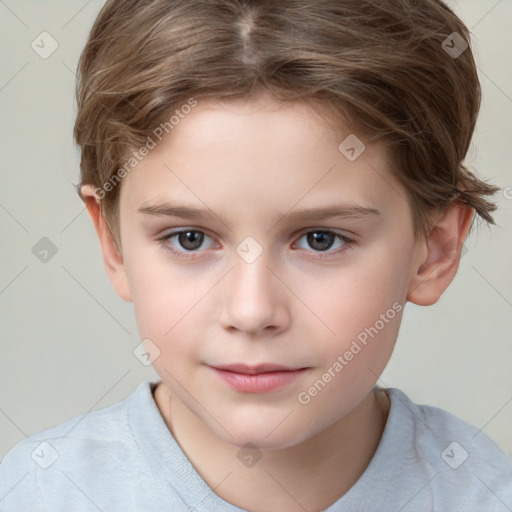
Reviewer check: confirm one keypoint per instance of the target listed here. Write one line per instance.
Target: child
(271, 182)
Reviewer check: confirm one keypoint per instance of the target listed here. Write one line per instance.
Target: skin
(250, 163)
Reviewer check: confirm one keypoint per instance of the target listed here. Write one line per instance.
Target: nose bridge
(252, 299)
(251, 258)
(251, 274)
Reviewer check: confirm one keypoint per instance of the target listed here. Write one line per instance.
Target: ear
(112, 256)
(439, 255)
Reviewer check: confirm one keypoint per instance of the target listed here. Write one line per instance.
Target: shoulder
(87, 444)
(460, 459)
(435, 426)
(104, 426)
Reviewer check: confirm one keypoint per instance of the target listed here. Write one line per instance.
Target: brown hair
(382, 66)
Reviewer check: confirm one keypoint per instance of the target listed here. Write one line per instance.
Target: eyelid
(336, 231)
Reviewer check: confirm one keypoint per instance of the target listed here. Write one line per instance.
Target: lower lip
(259, 383)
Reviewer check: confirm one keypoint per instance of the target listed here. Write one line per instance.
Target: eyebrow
(310, 214)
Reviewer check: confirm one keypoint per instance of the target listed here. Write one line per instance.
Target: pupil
(325, 240)
(191, 240)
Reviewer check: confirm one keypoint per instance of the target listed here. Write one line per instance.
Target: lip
(256, 369)
(257, 379)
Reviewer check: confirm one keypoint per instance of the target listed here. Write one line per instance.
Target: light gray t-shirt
(124, 458)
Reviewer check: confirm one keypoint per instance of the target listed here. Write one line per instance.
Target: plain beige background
(67, 339)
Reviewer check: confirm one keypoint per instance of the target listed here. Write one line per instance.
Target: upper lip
(252, 370)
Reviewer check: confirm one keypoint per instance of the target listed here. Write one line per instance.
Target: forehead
(248, 153)
(261, 119)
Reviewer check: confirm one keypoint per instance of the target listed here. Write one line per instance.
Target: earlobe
(112, 256)
(438, 256)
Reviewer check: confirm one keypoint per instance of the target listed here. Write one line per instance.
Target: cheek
(157, 297)
(364, 309)
(164, 308)
(347, 300)
(360, 308)
(169, 301)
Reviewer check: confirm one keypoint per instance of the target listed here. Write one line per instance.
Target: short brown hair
(383, 66)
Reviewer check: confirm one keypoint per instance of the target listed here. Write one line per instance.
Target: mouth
(256, 369)
(263, 378)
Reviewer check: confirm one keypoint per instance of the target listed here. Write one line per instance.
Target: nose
(254, 299)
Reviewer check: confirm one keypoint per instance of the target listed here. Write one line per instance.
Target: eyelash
(191, 255)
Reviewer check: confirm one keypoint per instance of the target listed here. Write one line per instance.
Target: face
(250, 280)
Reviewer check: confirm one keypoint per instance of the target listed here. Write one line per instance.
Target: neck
(312, 475)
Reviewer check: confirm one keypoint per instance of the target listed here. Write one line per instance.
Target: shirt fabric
(124, 458)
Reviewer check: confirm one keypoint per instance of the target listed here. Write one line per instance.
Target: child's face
(253, 166)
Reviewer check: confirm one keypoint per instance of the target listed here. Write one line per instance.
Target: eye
(321, 240)
(186, 243)
(188, 239)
